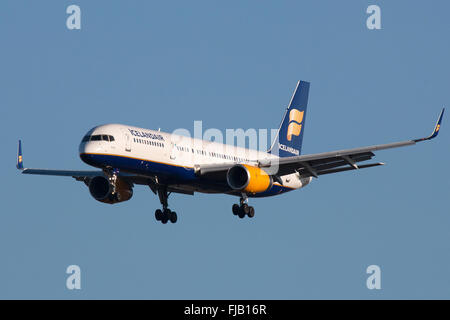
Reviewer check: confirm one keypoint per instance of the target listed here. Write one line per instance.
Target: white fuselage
(147, 151)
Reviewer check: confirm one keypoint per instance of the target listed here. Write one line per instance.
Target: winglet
(437, 127)
(19, 157)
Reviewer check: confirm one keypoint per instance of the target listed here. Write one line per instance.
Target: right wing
(319, 163)
(343, 160)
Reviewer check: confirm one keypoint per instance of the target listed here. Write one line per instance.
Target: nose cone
(96, 144)
(89, 159)
(82, 148)
(90, 150)
(90, 153)
(88, 147)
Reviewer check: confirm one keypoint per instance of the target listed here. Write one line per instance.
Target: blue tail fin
(288, 141)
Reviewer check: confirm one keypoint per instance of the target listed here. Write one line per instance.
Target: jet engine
(102, 190)
(248, 179)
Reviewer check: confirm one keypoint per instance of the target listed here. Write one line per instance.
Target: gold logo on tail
(295, 123)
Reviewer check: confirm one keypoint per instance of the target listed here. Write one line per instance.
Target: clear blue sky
(232, 64)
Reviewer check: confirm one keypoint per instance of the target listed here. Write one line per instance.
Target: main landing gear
(165, 214)
(243, 209)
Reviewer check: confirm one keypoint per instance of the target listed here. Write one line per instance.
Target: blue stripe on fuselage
(138, 166)
(174, 173)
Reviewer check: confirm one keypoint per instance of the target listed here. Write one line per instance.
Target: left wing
(77, 174)
(327, 162)
(86, 176)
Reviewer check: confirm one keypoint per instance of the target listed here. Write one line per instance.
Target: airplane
(168, 163)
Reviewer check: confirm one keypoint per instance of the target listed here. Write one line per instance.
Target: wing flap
(370, 165)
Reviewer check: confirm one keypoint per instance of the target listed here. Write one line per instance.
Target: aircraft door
(173, 151)
(127, 138)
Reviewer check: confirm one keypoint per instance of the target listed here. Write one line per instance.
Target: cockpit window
(98, 137)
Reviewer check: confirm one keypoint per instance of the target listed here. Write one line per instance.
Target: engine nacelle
(101, 190)
(248, 179)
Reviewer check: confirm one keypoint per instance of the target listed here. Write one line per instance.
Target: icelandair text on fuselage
(233, 310)
(142, 134)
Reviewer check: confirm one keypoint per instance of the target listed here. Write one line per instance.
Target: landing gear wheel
(158, 215)
(241, 213)
(251, 212)
(165, 216)
(243, 210)
(173, 217)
